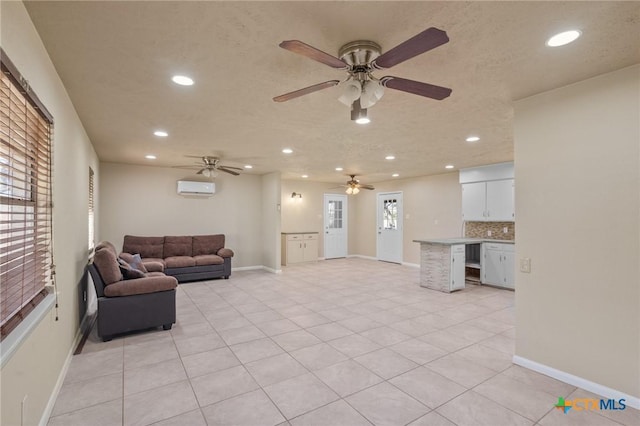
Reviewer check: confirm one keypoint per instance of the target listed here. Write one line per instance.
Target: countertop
(293, 233)
(452, 241)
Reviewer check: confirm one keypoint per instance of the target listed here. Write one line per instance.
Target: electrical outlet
(488, 233)
(525, 265)
(505, 230)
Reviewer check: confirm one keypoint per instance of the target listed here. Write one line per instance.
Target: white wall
(142, 200)
(432, 209)
(34, 369)
(271, 211)
(577, 163)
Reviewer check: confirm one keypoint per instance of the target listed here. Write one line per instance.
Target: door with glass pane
(335, 226)
(389, 214)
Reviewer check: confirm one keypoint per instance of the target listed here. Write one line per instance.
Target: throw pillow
(128, 272)
(136, 263)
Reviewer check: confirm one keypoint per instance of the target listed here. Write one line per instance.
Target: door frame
(400, 223)
(345, 222)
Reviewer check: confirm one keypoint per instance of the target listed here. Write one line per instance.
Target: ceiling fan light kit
(361, 90)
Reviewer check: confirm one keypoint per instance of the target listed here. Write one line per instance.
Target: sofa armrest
(225, 252)
(140, 286)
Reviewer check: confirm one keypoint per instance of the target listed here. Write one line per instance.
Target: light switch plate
(525, 265)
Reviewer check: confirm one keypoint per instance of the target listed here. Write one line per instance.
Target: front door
(389, 214)
(335, 226)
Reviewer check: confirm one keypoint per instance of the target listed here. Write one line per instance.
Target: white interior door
(335, 226)
(389, 213)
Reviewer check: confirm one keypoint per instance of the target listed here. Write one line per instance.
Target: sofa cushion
(106, 244)
(207, 244)
(153, 265)
(107, 264)
(129, 272)
(134, 260)
(154, 274)
(177, 246)
(225, 252)
(179, 261)
(141, 286)
(208, 259)
(145, 246)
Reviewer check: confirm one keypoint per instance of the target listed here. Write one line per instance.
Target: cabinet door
(457, 268)
(295, 251)
(492, 268)
(500, 202)
(310, 250)
(473, 201)
(508, 261)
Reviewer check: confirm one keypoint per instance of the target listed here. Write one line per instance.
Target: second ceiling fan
(361, 89)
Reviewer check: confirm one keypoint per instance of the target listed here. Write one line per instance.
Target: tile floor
(340, 342)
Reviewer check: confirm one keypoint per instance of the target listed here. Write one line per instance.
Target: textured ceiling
(116, 60)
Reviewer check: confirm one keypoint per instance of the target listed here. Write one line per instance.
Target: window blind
(25, 198)
(91, 212)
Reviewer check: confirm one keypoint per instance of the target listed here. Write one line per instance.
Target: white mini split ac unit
(186, 187)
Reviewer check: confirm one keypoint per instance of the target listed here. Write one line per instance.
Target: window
(25, 198)
(390, 214)
(91, 212)
(335, 214)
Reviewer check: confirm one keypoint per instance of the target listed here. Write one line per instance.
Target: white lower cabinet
(457, 267)
(497, 265)
(298, 248)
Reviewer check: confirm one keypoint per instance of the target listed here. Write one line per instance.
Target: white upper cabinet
(488, 193)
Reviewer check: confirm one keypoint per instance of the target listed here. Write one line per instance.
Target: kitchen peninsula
(442, 262)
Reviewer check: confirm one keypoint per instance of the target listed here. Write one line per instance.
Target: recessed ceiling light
(182, 80)
(339, 169)
(161, 133)
(472, 139)
(305, 176)
(287, 151)
(449, 166)
(395, 175)
(563, 38)
(363, 120)
(248, 166)
(150, 157)
(389, 157)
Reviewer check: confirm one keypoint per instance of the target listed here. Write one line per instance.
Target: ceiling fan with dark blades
(361, 89)
(209, 166)
(354, 186)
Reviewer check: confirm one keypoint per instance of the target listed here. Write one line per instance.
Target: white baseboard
(63, 373)
(412, 265)
(275, 271)
(247, 268)
(598, 389)
(361, 256)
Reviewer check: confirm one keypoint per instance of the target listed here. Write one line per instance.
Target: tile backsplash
(480, 230)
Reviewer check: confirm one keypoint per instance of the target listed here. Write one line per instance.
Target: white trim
(18, 335)
(412, 265)
(247, 268)
(275, 271)
(598, 389)
(361, 256)
(63, 373)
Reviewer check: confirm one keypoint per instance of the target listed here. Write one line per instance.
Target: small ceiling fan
(209, 166)
(354, 186)
(361, 90)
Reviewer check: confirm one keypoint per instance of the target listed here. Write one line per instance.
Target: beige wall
(271, 212)
(577, 162)
(35, 368)
(142, 200)
(432, 209)
(306, 214)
